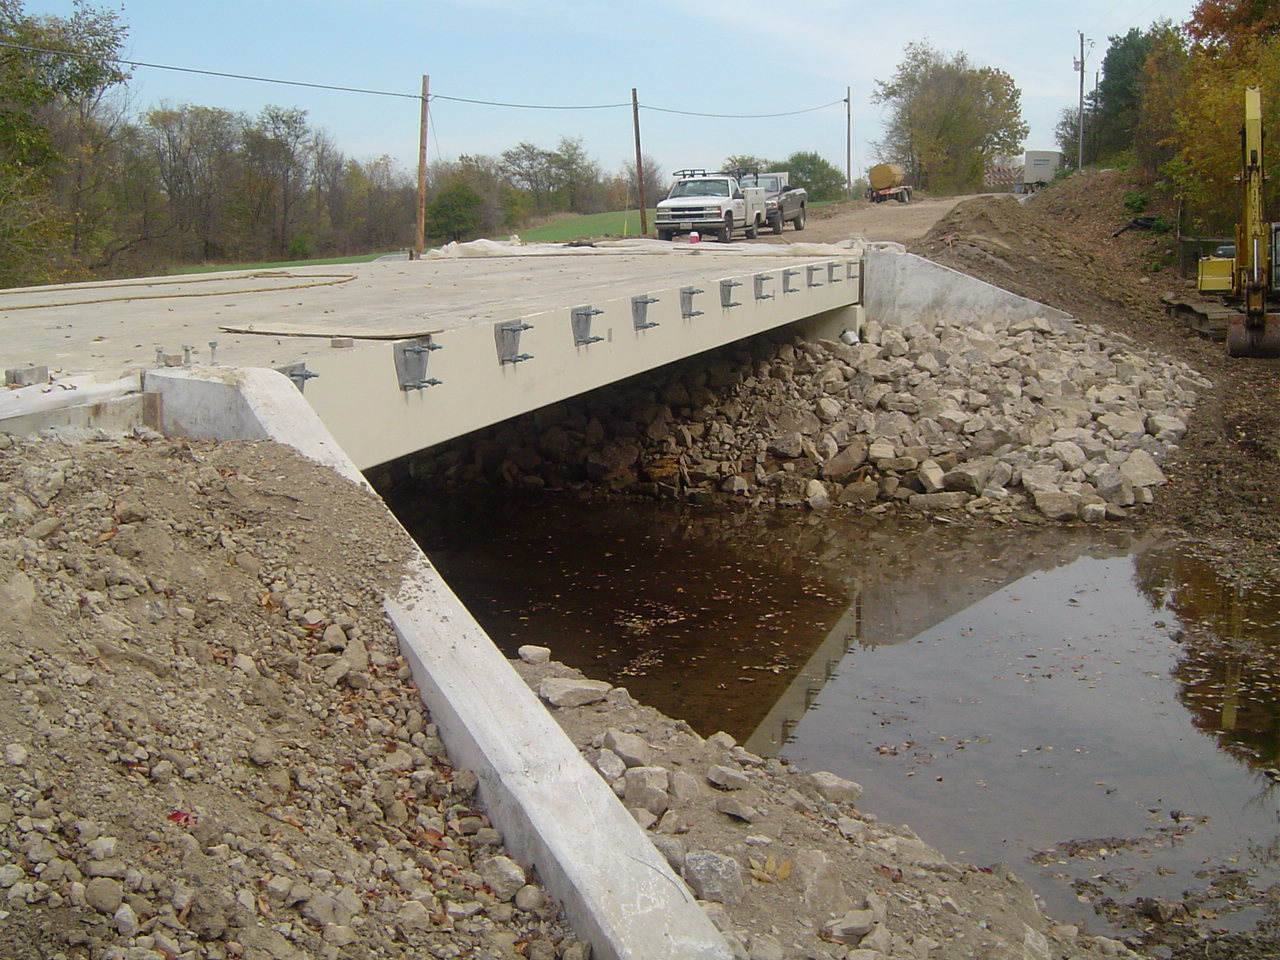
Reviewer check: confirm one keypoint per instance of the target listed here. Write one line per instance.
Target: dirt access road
(899, 222)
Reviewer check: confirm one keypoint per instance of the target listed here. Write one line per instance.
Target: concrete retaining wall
(898, 285)
(554, 810)
(229, 403)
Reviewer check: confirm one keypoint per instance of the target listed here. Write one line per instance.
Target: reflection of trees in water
(1229, 669)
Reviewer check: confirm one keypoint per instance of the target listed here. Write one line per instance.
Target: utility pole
(420, 227)
(848, 144)
(635, 121)
(1080, 109)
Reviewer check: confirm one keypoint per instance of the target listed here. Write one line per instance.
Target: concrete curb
(553, 810)
(42, 399)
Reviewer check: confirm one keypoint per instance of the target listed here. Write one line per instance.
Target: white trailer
(1039, 167)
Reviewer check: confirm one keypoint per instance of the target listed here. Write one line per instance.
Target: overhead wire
(742, 116)
(212, 73)
(532, 106)
(399, 94)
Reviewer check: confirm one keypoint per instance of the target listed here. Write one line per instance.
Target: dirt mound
(1065, 247)
(211, 745)
(1050, 250)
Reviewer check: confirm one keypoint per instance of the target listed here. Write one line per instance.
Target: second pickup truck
(783, 202)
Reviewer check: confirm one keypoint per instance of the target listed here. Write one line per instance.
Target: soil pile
(211, 746)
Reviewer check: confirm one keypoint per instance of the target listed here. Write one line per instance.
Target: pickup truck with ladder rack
(710, 203)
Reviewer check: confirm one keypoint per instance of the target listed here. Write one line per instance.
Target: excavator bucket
(1254, 340)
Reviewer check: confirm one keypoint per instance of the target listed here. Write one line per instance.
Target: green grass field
(279, 264)
(619, 223)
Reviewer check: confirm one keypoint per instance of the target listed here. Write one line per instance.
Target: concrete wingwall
(244, 403)
(900, 287)
(554, 810)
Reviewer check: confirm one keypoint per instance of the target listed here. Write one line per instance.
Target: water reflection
(1230, 634)
(1096, 708)
(1072, 720)
(703, 617)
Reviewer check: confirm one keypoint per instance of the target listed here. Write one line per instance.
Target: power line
(299, 83)
(742, 116)
(211, 73)
(530, 106)
(405, 96)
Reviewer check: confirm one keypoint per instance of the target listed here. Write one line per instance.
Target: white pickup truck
(710, 203)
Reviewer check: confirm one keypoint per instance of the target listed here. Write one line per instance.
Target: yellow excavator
(1248, 281)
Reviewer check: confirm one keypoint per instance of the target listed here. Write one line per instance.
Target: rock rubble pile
(782, 859)
(1008, 418)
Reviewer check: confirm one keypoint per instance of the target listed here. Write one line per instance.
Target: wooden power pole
(420, 227)
(635, 122)
(848, 143)
(1080, 111)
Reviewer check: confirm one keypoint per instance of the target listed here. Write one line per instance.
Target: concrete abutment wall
(899, 288)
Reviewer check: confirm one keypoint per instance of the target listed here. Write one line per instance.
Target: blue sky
(711, 56)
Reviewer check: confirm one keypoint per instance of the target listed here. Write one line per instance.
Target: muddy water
(1096, 709)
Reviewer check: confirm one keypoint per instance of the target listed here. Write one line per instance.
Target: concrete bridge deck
(397, 356)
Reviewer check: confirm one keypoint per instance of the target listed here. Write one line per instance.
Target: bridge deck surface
(110, 327)
(352, 336)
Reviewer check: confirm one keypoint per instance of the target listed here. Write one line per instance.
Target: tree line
(87, 189)
(1169, 102)
(90, 188)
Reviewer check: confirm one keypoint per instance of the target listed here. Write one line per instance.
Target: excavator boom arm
(1253, 256)
(1254, 333)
